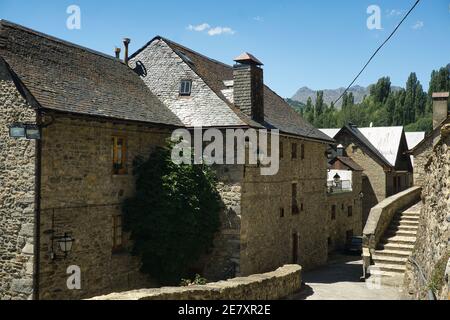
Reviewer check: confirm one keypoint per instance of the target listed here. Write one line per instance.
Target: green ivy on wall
(173, 216)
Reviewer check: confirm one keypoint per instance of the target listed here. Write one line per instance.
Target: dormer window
(185, 88)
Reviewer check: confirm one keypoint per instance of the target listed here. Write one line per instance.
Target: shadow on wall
(369, 200)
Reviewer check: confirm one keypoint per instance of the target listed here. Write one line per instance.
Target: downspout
(37, 210)
(431, 295)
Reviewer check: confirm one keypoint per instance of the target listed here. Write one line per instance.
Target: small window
(303, 152)
(333, 212)
(119, 156)
(294, 151)
(281, 150)
(185, 88)
(117, 235)
(350, 211)
(281, 212)
(295, 209)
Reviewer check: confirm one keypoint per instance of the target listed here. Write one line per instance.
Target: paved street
(340, 280)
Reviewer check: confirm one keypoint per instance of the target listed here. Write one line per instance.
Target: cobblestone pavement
(340, 280)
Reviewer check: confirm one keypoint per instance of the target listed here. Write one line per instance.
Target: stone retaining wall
(269, 286)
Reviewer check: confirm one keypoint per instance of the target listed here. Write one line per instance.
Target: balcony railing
(339, 187)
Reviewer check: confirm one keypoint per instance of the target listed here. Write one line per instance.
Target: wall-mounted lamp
(23, 130)
(64, 243)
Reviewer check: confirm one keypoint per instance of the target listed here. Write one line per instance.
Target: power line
(379, 48)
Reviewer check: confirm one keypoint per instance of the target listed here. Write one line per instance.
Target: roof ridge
(55, 39)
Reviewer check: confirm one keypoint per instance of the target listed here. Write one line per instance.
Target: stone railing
(269, 286)
(381, 216)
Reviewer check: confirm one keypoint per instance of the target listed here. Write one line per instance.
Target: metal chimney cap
(126, 40)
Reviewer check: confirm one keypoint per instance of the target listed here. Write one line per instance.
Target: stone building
(431, 267)
(74, 119)
(88, 108)
(271, 220)
(344, 202)
(381, 152)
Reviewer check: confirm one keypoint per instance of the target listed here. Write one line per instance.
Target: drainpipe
(37, 211)
(431, 295)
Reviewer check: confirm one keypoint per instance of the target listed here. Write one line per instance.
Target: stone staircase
(396, 247)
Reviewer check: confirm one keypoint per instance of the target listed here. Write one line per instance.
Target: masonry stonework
(17, 194)
(80, 196)
(432, 248)
(345, 222)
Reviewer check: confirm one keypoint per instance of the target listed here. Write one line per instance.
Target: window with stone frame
(350, 211)
(294, 151)
(333, 212)
(117, 233)
(119, 155)
(185, 88)
(302, 152)
(281, 150)
(295, 208)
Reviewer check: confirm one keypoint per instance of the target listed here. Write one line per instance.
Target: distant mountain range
(331, 95)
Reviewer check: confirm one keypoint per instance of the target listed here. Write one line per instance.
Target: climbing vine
(173, 216)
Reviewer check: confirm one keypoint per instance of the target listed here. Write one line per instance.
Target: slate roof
(278, 113)
(66, 77)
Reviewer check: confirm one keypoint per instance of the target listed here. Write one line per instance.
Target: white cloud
(418, 25)
(258, 18)
(212, 31)
(220, 30)
(394, 12)
(199, 28)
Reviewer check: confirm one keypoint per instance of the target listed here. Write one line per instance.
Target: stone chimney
(440, 108)
(248, 86)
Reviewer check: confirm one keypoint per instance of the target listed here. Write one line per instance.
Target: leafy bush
(173, 216)
(198, 281)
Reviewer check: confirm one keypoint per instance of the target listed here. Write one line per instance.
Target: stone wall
(432, 248)
(80, 196)
(269, 286)
(382, 214)
(267, 237)
(17, 193)
(374, 180)
(343, 223)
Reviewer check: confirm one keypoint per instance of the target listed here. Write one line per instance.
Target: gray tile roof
(65, 77)
(278, 113)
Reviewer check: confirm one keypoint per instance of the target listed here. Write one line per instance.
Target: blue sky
(319, 44)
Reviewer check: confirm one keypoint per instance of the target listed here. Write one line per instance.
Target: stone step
(405, 227)
(401, 232)
(410, 214)
(385, 259)
(405, 223)
(379, 273)
(399, 240)
(393, 253)
(397, 246)
(395, 268)
(402, 219)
